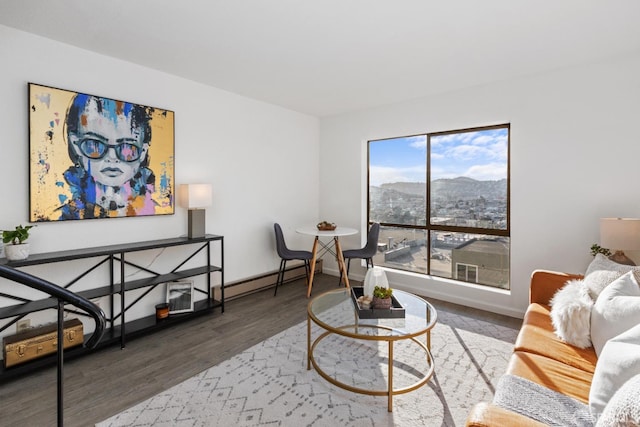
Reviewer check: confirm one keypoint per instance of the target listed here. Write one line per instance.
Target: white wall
(574, 155)
(574, 159)
(262, 160)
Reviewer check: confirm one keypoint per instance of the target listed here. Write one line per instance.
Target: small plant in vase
(381, 297)
(15, 247)
(597, 249)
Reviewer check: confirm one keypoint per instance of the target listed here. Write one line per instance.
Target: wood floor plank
(111, 380)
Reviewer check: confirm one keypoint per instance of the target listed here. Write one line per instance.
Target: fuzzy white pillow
(571, 313)
(601, 272)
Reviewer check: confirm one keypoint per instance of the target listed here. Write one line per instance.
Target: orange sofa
(541, 357)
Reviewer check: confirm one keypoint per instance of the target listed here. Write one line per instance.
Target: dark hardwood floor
(111, 380)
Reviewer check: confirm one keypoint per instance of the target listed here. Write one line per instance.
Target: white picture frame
(180, 296)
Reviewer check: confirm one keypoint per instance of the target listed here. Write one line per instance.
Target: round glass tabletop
(336, 311)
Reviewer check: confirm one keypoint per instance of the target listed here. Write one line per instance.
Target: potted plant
(15, 247)
(597, 249)
(381, 297)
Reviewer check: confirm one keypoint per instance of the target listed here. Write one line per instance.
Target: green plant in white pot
(15, 247)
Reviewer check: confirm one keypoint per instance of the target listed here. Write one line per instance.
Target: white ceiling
(325, 57)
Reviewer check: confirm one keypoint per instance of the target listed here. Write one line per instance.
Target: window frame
(428, 227)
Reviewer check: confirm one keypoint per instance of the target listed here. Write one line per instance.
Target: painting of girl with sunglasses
(108, 143)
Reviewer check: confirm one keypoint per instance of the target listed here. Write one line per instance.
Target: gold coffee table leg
(308, 343)
(429, 331)
(390, 385)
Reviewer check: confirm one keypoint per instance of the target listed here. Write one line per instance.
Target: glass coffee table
(349, 342)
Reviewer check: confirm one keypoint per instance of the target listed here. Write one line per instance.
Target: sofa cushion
(486, 414)
(537, 336)
(601, 272)
(552, 374)
(571, 314)
(616, 310)
(618, 362)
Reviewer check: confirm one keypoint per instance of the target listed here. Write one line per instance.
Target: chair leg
(307, 269)
(280, 279)
(348, 265)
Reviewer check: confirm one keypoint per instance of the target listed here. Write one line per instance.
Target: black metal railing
(64, 296)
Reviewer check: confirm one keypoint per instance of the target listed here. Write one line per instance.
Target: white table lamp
(619, 234)
(196, 197)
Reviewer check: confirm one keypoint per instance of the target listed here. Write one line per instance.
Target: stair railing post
(60, 361)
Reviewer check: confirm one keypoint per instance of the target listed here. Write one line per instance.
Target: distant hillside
(460, 188)
(414, 188)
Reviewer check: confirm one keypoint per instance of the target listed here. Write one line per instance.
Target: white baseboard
(448, 296)
(264, 281)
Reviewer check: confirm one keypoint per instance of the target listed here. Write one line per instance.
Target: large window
(442, 200)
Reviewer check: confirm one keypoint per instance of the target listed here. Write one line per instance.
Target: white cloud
(467, 151)
(483, 140)
(419, 142)
(479, 155)
(495, 151)
(487, 172)
(380, 174)
(498, 149)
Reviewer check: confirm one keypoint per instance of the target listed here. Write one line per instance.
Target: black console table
(117, 288)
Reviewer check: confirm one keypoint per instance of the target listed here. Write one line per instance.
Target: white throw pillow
(601, 272)
(619, 361)
(616, 310)
(624, 407)
(571, 314)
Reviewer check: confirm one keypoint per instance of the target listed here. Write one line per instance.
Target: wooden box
(39, 342)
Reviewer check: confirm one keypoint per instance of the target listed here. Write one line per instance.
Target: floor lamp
(196, 197)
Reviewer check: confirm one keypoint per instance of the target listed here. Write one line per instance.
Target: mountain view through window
(443, 202)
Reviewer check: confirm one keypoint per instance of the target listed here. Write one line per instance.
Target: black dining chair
(367, 252)
(287, 254)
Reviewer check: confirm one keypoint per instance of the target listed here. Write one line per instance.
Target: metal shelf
(115, 255)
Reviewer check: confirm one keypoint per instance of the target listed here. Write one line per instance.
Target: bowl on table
(326, 226)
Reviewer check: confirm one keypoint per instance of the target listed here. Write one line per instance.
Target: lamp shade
(194, 196)
(620, 233)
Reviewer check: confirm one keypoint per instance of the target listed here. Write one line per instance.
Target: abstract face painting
(95, 157)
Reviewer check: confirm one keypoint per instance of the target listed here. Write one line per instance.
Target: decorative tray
(396, 310)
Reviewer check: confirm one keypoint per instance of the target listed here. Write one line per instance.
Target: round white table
(335, 234)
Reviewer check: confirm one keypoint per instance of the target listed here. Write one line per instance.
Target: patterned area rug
(269, 384)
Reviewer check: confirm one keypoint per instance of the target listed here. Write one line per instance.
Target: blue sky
(480, 155)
